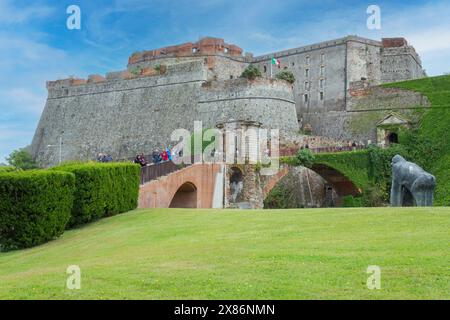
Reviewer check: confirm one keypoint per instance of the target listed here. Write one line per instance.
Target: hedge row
(35, 207)
(102, 190)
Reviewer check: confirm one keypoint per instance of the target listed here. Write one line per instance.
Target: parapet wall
(205, 46)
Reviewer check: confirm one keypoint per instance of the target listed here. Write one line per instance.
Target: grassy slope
(266, 254)
(434, 130)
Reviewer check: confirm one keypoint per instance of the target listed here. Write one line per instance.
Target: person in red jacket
(164, 155)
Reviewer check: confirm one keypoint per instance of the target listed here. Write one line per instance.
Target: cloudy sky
(35, 44)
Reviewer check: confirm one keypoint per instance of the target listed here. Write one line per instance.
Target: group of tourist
(104, 157)
(167, 154)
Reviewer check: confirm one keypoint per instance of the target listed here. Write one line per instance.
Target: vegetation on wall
(35, 207)
(286, 75)
(303, 157)
(428, 143)
(251, 72)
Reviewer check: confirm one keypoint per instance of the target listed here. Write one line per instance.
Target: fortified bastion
(136, 110)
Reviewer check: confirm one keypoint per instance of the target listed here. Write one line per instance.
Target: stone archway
(321, 185)
(185, 196)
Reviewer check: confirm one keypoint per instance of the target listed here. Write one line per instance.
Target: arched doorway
(185, 197)
(236, 185)
(392, 138)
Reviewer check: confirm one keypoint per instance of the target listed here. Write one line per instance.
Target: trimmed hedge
(102, 189)
(35, 207)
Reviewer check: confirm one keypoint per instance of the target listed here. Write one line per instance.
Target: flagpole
(271, 68)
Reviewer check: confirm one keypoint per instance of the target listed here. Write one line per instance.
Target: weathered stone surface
(135, 110)
(411, 185)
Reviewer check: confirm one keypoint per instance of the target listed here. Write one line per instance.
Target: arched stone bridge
(190, 187)
(202, 186)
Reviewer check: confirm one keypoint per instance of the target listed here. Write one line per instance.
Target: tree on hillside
(21, 159)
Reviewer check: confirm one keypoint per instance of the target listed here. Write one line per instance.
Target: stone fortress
(335, 94)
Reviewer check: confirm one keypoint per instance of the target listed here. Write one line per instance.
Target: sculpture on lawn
(411, 185)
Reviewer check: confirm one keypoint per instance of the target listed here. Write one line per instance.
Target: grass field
(222, 254)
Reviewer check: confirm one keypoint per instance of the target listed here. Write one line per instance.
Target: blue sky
(36, 46)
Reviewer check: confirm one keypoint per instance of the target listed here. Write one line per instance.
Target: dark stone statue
(411, 185)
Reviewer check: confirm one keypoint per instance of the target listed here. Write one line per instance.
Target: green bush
(35, 207)
(352, 202)
(6, 169)
(305, 158)
(22, 159)
(286, 75)
(251, 72)
(278, 198)
(103, 189)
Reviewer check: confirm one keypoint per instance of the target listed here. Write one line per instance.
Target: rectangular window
(306, 72)
(321, 96)
(307, 60)
(322, 70)
(322, 57)
(322, 83)
(306, 98)
(306, 85)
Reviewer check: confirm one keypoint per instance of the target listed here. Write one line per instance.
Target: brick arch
(339, 181)
(185, 196)
(160, 193)
(271, 181)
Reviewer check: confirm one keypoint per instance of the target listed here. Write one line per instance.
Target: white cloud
(9, 14)
(24, 100)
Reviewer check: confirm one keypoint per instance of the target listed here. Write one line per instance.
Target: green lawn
(224, 254)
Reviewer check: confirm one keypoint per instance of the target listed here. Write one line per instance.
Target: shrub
(305, 158)
(251, 72)
(21, 159)
(35, 207)
(103, 189)
(286, 75)
(352, 202)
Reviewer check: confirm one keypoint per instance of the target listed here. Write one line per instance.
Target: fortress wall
(366, 107)
(118, 117)
(400, 63)
(324, 61)
(363, 62)
(267, 101)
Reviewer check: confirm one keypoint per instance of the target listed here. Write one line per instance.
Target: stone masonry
(137, 109)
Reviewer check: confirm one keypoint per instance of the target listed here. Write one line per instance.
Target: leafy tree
(305, 157)
(21, 159)
(251, 72)
(286, 75)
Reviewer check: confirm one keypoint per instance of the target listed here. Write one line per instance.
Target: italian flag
(276, 62)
